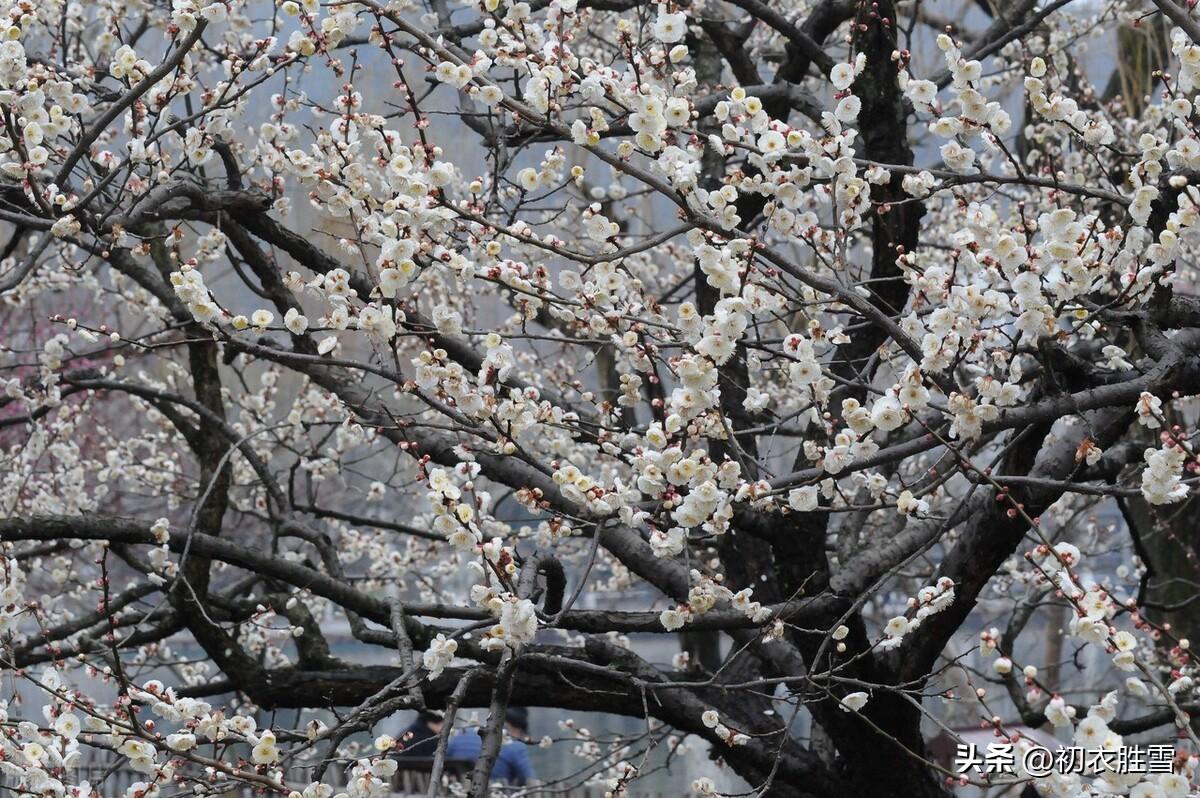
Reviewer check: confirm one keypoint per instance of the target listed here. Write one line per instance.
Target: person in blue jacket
(513, 765)
(421, 738)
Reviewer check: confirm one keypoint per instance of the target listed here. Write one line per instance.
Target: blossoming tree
(512, 335)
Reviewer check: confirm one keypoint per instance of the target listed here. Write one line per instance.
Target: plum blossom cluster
(705, 594)
(504, 335)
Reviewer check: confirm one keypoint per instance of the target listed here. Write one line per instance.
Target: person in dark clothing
(512, 765)
(421, 738)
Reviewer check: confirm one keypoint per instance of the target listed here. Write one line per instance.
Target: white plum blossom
(853, 702)
(670, 27)
(265, 751)
(295, 321)
(1149, 410)
(1162, 477)
(803, 499)
(439, 654)
(1059, 713)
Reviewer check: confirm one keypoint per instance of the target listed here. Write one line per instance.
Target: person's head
(517, 720)
(431, 718)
